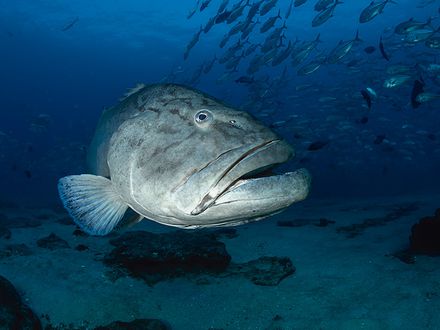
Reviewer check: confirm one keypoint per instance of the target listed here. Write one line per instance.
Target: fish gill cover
(354, 85)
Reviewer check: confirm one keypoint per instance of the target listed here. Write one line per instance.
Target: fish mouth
(254, 164)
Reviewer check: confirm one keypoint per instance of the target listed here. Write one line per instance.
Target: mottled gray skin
(171, 169)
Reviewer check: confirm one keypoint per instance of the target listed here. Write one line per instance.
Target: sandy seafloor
(339, 283)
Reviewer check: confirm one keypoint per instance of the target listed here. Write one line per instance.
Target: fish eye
(203, 116)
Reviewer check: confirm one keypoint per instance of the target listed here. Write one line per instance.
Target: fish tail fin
(356, 38)
(429, 21)
(279, 14)
(92, 202)
(317, 39)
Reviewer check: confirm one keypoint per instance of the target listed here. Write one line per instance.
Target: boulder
(138, 324)
(52, 242)
(267, 271)
(13, 313)
(19, 222)
(5, 232)
(156, 257)
(15, 250)
(425, 235)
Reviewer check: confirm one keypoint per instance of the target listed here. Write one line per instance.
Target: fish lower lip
(286, 188)
(265, 162)
(266, 171)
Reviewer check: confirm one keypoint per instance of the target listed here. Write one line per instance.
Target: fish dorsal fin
(132, 91)
(92, 202)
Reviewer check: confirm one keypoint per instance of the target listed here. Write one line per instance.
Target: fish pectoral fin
(92, 202)
(130, 218)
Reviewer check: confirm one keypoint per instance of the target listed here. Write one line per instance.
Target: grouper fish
(181, 158)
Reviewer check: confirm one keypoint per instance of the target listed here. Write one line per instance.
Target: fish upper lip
(208, 199)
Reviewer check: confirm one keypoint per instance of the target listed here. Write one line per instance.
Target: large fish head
(198, 163)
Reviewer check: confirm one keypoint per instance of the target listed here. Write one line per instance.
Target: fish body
(282, 55)
(255, 64)
(433, 68)
(267, 7)
(252, 48)
(369, 49)
(379, 139)
(269, 23)
(254, 9)
(237, 28)
(411, 25)
(382, 50)
(70, 24)
(367, 98)
(317, 145)
(310, 67)
(396, 81)
(342, 50)
(209, 24)
(227, 76)
(420, 35)
(204, 5)
(191, 13)
(208, 67)
(398, 69)
(322, 4)
(247, 29)
(233, 62)
(324, 15)
(222, 17)
(303, 51)
(193, 42)
(277, 32)
(373, 9)
(298, 3)
(230, 52)
(244, 80)
(224, 40)
(433, 42)
(289, 10)
(270, 44)
(176, 156)
(236, 12)
(372, 92)
(269, 56)
(196, 75)
(427, 97)
(418, 88)
(222, 7)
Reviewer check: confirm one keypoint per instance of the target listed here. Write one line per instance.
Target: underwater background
(69, 76)
(357, 95)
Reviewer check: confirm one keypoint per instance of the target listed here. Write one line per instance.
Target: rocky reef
(158, 257)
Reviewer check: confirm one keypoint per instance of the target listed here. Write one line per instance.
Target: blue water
(72, 75)
(63, 62)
